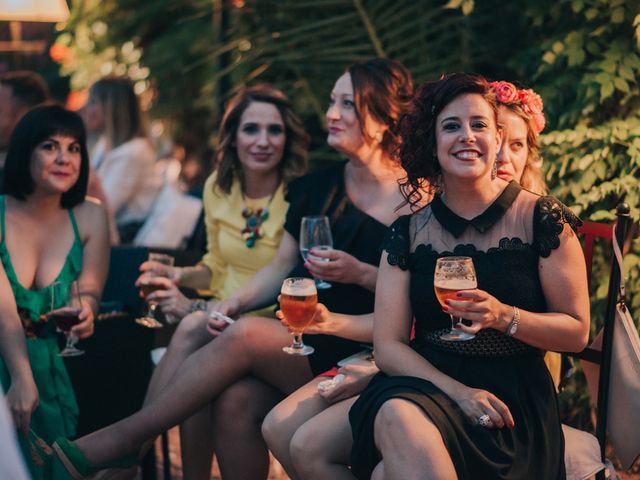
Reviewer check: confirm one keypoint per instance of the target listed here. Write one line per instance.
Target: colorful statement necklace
(252, 232)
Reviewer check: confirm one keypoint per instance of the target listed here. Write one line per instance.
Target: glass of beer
(298, 300)
(147, 287)
(65, 313)
(452, 275)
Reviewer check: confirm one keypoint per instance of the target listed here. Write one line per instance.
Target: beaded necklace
(254, 218)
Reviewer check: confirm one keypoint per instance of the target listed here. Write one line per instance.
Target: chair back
(591, 231)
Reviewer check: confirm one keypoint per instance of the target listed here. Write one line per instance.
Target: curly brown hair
(296, 150)
(418, 130)
(382, 88)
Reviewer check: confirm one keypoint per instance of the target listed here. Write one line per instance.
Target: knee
(272, 429)
(248, 333)
(191, 332)
(306, 452)
(237, 408)
(394, 415)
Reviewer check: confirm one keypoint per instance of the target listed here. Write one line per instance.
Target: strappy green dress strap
(57, 412)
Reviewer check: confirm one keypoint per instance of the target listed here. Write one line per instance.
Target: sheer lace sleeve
(549, 218)
(396, 243)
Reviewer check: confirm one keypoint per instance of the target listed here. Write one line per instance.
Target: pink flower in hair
(528, 100)
(505, 92)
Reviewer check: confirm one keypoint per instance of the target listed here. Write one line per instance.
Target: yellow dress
(231, 262)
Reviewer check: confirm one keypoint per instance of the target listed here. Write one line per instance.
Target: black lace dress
(505, 243)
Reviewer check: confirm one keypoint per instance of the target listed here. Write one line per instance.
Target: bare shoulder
(91, 215)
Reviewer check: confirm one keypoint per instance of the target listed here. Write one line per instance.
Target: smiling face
(55, 164)
(514, 150)
(467, 138)
(260, 138)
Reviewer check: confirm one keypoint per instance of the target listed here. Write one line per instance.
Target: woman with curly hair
(484, 407)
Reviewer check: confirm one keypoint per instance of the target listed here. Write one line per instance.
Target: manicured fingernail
(458, 294)
(447, 301)
(445, 308)
(457, 325)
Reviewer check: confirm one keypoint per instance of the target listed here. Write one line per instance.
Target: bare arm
(264, 286)
(353, 327)
(22, 396)
(94, 230)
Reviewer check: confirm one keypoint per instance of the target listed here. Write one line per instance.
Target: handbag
(624, 389)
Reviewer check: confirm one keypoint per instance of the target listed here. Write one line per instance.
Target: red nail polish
(458, 294)
(457, 325)
(445, 308)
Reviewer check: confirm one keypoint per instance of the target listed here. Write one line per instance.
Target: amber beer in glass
(298, 300)
(452, 275)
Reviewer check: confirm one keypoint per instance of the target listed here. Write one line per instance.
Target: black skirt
(533, 449)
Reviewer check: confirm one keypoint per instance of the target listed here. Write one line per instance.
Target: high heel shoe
(82, 469)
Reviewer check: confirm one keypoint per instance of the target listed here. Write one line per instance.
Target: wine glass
(149, 319)
(315, 233)
(298, 300)
(66, 306)
(452, 275)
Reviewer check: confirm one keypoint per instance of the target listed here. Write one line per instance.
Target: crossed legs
(250, 347)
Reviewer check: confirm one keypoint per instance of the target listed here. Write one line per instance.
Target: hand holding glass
(452, 275)
(315, 233)
(298, 300)
(149, 319)
(66, 314)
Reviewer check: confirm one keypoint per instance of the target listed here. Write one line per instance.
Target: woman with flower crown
(485, 407)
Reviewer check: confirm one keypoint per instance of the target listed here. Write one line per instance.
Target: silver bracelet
(512, 328)
(198, 305)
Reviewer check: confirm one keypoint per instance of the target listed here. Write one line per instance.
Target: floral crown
(530, 102)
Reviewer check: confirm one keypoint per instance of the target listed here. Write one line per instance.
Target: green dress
(57, 411)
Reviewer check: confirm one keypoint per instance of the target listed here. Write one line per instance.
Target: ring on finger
(484, 420)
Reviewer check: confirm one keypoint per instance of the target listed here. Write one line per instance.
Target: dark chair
(582, 449)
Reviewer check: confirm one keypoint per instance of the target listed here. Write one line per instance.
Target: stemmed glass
(147, 287)
(67, 314)
(298, 300)
(315, 233)
(452, 275)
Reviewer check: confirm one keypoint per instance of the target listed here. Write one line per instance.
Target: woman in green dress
(49, 234)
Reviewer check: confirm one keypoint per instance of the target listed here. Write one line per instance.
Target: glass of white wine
(452, 275)
(315, 233)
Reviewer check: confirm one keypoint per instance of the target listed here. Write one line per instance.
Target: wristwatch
(198, 305)
(512, 328)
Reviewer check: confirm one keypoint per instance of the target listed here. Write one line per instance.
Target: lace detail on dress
(396, 243)
(549, 218)
(487, 343)
(505, 244)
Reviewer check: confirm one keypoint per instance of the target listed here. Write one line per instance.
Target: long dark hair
(383, 89)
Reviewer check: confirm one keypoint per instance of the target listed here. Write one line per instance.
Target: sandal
(81, 469)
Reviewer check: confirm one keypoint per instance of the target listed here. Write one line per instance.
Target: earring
(494, 170)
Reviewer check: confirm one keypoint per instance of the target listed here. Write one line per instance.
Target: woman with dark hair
(49, 235)
(484, 407)
(123, 158)
(358, 196)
